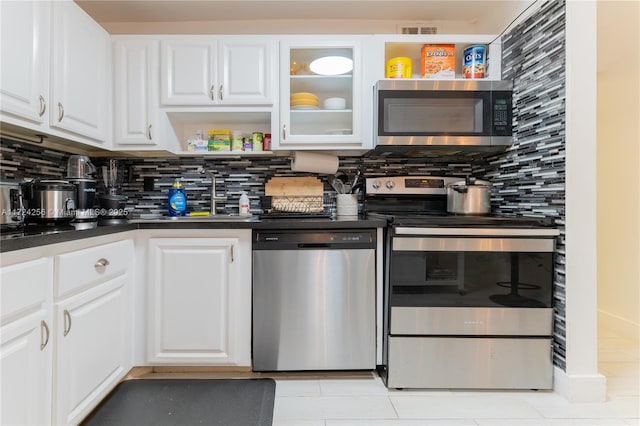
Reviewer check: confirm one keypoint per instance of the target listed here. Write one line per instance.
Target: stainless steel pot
(471, 197)
(49, 201)
(11, 208)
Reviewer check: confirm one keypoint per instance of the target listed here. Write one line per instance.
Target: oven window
(471, 279)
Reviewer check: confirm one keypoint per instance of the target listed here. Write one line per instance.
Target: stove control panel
(398, 185)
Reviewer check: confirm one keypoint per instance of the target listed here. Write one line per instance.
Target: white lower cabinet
(26, 343)
(199, 299)
(92, 340)
(65, 335)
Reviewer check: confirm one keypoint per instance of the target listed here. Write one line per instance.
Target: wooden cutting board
(294, 186)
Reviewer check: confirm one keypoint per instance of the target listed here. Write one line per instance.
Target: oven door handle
(531, 245)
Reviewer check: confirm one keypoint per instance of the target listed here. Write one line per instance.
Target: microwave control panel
(502, 113)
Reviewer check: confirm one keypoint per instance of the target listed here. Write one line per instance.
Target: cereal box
(438, 61)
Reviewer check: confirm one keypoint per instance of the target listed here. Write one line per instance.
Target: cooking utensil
(469, 197)
(336, 184)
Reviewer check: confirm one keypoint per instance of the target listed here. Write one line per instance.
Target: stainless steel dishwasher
(314, 300)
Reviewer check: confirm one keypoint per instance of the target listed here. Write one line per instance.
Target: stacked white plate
(335, 103)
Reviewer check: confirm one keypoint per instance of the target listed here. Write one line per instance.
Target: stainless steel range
(468, 299)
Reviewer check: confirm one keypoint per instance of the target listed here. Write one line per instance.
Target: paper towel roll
(314, 163)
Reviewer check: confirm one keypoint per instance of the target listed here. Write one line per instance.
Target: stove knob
(390, 184)
(375, 184)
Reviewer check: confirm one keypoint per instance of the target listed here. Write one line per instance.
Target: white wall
(618, 162)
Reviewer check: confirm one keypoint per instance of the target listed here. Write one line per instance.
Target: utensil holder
(347, 205)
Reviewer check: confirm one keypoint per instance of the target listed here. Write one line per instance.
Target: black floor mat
(184, 402)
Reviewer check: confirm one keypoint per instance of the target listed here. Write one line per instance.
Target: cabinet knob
(101, 265)
(43, 106)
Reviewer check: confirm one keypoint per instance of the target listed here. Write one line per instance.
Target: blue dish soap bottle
(177, 200)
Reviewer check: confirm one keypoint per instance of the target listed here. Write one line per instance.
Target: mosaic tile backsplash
(528, 178)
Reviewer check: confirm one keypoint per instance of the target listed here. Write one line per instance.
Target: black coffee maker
(82, 173)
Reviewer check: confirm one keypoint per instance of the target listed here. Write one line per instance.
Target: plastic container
(399, 67)
(177, 200)
(244, 207)
(474, 62)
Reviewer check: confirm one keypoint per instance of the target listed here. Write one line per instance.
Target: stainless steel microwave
(437, 114)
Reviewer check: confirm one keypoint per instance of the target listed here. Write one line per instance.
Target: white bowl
(335, 103)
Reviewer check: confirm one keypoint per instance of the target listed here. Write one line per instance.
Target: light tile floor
(352, 400)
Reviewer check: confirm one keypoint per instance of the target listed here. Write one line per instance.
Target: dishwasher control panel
(309, 239)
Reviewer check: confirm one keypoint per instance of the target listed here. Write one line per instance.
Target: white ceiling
(497, 13)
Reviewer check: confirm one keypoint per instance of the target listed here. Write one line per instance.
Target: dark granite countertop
(18, 240)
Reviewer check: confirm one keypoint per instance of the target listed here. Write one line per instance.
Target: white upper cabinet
(80, 92)
(318, 124)
(24, 64)
(136, 98)
(202, 70)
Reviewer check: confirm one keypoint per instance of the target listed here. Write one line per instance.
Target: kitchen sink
(215, 218)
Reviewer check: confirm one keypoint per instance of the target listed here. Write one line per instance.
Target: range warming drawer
(471, 321)
(470, 363)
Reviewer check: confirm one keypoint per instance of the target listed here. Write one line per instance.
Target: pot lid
(478, 183)
(53, 184)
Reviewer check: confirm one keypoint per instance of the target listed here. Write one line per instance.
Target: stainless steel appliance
(314, 300)
(418, 116)
(468, 299)
(81, 173)
(49, 201)
(11, 207)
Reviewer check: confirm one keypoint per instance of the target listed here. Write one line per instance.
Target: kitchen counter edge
(18, 242)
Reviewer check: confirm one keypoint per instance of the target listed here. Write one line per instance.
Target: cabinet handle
(101, 265)
(220, 93)
(212, 93)
(284, 131)
(44, 328)
(60, 112)
(149, 132)
(67, 322)
(232, 258)
(43, 106)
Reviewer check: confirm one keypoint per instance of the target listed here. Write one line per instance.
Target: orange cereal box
(438, 61)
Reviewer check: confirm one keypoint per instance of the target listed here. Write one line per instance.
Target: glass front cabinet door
(320, 99)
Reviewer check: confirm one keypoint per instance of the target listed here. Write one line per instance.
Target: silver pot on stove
(49, 201)
(469, 197)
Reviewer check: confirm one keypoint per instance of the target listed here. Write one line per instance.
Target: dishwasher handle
(313, 245)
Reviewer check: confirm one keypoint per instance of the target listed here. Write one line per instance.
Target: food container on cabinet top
(399, 67)
(438, 61)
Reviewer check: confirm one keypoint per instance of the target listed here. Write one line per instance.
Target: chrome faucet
(212, 191)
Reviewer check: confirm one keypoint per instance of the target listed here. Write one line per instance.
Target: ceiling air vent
(417, 29)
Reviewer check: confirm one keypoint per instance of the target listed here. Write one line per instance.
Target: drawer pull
(101, 265)
(67, 322)
(44, 331)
